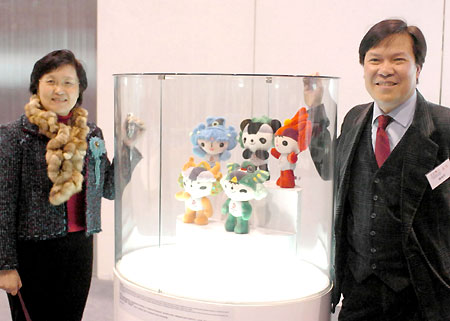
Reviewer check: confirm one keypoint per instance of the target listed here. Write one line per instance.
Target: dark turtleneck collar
(64, 119)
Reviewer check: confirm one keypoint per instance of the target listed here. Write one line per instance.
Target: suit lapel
(346, 151)
(419, 159)
(346, 147)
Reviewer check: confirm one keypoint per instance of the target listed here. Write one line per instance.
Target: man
(392, 229)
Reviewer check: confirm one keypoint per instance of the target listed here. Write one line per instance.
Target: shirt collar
(403, 114)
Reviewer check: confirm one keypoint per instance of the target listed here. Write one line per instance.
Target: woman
(55, 170)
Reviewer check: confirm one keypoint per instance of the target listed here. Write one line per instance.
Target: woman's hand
(134, 127)
(10, 281)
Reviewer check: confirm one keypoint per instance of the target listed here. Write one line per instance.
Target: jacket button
(376, 180)
(375, 197)
(373, 233)
(373, 266)
(373, 215)
(373, 250)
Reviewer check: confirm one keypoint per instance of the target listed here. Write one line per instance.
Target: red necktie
(382, 149)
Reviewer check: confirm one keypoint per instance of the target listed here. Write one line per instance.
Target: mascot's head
(257, 133)
(200, 180)
(213, 137)
(295, 135)
(244, 182)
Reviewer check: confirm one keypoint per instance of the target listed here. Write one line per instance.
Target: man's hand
(313, 91)
(10, 281)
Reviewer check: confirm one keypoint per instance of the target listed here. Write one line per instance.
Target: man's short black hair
(386, 28)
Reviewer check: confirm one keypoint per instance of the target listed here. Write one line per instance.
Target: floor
(99, 305)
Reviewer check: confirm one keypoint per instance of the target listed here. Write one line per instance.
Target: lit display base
(212, 239)
(170, 283)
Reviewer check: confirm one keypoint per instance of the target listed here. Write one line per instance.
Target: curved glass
(239, 234)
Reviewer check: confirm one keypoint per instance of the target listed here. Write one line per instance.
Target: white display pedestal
(210, 274)
(135, 303)
(212, 239)
(169, 283)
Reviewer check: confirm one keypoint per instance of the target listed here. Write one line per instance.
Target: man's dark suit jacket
(425, 213)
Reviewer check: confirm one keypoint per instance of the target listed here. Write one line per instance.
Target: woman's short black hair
(386, 28)
(54, 60)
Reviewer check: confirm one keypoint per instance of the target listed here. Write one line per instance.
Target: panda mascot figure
(256, 137)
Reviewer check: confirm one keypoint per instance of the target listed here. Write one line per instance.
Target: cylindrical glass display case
(228, 214)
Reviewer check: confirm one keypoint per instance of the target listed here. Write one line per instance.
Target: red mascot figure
(290, 140)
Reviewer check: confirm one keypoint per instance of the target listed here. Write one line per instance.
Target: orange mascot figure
(198, 181)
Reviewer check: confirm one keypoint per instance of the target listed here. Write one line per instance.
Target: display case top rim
(221, 74)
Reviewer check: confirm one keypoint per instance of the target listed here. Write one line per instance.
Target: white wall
(249, 36)
(306, 36)
(164, 36)
(446, 61)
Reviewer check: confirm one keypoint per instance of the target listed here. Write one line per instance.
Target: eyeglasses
(66, 84)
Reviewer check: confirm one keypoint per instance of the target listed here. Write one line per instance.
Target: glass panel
(288, 242)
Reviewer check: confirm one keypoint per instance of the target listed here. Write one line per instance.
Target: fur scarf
(66, 148)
